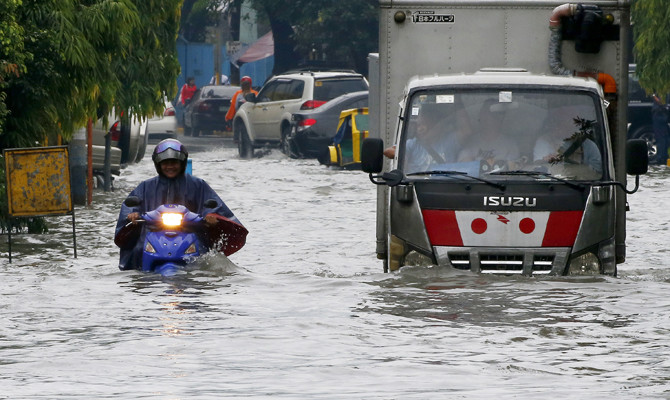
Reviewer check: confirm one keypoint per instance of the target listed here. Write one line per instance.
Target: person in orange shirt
(238, 98)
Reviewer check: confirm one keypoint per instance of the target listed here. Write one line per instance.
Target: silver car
(163, 126)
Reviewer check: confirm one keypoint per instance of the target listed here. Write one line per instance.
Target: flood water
(304, 311)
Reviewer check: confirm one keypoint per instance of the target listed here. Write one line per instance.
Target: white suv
(266, 118)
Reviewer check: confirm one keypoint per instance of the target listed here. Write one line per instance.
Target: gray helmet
(170, 149)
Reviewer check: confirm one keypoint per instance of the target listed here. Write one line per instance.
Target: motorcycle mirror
(132, 201)
(211, 203)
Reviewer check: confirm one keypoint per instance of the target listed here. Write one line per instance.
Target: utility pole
(234, 15)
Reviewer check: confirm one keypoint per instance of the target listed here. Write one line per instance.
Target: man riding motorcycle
(171, 186)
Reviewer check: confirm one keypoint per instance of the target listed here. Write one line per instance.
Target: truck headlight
(418, 260)
(585, 264)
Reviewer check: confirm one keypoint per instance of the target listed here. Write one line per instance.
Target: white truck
(508, 125)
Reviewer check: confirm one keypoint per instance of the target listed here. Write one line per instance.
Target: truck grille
(535, 261)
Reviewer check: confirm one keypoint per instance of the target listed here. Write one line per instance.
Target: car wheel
(647, 133)
(143, 146)
(244, 146)
(287, 144)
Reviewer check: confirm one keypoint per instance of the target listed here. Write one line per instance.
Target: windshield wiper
(460, 173)
(572, 184)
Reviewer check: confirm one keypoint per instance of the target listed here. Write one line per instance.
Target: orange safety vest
(233, 104)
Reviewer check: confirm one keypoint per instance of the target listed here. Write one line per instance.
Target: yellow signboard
(38, 181)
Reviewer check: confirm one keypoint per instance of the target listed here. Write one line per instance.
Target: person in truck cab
(563, 141)
(489, 145)
(431, 141)
(438, 132)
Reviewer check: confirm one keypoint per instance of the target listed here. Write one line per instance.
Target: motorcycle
(175, 236)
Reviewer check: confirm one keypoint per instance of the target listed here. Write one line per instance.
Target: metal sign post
(38, 184)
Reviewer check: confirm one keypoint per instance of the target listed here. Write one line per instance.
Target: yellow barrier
(38, 184)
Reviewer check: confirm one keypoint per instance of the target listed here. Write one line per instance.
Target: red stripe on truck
(562, 228)
(442, 227)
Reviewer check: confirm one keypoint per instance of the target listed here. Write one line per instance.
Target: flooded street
(304, 311)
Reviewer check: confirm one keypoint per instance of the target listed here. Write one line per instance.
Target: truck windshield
(488, 131)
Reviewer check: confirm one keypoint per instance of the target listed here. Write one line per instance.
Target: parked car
(128, 142)
(345, 150)
(207, 109)
(163, 126)
(639, 113)
(313, 130)
(98, 133)
(266, 118)
(132, 138)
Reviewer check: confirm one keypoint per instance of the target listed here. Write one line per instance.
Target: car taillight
(204, 107)
(115, 131)
(306, 123)
(169, 112)
(312, 104)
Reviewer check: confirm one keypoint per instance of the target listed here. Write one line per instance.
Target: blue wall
(197, 60)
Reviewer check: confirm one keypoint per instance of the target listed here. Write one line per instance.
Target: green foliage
(63, 62)
(345, 31)
(149, 67)
(11, 51)
(651, 24)
(196, 16)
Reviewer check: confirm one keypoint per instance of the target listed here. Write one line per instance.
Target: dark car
(313, 130)
(206, 112)
(639, 113)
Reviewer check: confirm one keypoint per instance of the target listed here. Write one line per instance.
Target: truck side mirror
(637, 157)
(251, 98)
(372, 155)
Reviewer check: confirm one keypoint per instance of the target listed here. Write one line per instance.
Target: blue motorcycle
(176, 236)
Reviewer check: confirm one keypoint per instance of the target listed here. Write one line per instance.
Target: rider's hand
(132, 217)
(210, 219)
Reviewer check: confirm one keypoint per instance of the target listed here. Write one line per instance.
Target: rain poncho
(185, 189)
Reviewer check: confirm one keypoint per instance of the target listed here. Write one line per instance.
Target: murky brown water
(304, 312)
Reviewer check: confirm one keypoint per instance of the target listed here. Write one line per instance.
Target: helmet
(169, 149)
(245, 79)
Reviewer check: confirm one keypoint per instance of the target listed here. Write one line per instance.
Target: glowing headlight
(149, 248)
(586, 264)
(172, 219)
(191, 249)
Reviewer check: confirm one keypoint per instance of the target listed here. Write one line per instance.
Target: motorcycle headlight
(191, 249)
(149, 248)
(585, 264)
(172, 219)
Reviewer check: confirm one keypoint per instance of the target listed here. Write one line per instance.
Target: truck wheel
(647, 133)
(244, 146)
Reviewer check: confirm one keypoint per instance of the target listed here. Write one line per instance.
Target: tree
(147, 69)
(651, 24)
(64, 62)
(11, 51)
(342, 31)
(282, 17)
(196, 16)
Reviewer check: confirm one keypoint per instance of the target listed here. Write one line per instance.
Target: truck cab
(508, 159)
